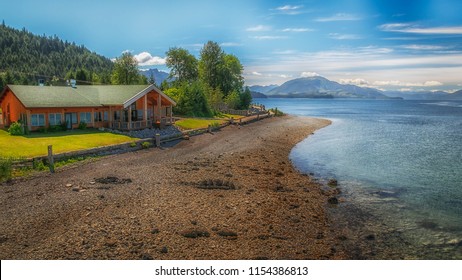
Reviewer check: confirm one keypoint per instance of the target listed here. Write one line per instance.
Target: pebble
(68, 185)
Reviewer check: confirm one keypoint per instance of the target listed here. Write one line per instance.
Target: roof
(82, 95)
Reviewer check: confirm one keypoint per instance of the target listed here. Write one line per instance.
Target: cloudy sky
(404, 45)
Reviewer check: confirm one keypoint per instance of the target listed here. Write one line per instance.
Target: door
(68, 117)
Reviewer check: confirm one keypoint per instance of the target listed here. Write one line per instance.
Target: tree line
(204, 86)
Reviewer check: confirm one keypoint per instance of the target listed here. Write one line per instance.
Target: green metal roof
(80, 96)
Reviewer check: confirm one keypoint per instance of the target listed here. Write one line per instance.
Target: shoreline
(228, 195)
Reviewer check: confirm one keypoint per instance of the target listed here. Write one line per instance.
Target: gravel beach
(232, 194)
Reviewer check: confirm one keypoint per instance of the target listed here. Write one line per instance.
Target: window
(98, 116)
(140, 114)
(106, 116)
(54, 119)
(37, 119)
(74, 118)
(116, 116)
(85, 117)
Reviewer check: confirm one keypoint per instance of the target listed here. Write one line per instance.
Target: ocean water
(399, 166)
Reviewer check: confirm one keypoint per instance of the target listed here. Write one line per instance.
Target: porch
(137, 125)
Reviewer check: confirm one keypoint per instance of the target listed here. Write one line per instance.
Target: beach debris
(370, 237)
(216, 184)
(333, 200)
(146, 257)
(227, 234)
(112, 180)
(195, 233)
(332, 182)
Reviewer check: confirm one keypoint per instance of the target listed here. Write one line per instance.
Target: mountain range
(156, 74)
(320, 87)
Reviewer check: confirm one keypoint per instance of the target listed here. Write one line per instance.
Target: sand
(232, 194)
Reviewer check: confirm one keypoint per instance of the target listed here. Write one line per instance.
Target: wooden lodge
(121, 107)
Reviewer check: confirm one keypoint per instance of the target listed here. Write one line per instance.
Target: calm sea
(399, 165)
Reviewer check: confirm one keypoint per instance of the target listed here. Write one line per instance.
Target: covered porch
(154, 109)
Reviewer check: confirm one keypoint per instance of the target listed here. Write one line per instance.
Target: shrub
(215, 125)
(39, 165)
(82, 125)
(43, 129)
(55, 128)
(133, 144)
(16, 128)
(277, 113)
(145, 145)
(6, 167)
(63, 126)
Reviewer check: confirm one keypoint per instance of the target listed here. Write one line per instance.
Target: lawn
(36, 144)
(193, 123)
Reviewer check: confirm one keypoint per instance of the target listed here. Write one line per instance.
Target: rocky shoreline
(229, 195)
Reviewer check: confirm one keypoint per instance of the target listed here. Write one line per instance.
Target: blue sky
(401, 45)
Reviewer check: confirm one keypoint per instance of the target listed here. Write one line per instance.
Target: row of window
(56, 118)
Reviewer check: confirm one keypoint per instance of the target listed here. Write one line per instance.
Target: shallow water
(399, 164)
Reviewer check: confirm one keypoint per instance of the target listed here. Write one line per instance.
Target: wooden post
(158, 140)
(209, 128)
(51, 162)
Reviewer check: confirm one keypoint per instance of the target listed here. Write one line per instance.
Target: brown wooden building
(123, 107)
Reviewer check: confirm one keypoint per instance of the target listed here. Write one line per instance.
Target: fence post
(51, 161)
(157, 140)
(209, 128)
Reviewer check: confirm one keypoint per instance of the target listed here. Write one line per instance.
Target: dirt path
(230, 195)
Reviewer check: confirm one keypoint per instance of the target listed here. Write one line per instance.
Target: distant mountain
(426, 95)
(256, 94)
(262, 89)
(320, 87)
(159, 76)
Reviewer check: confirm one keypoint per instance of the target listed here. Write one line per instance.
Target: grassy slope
(36, 144)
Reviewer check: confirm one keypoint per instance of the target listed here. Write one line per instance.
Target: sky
(386, 44)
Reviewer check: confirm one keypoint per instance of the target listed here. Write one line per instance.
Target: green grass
(192, 123)
(36, 144)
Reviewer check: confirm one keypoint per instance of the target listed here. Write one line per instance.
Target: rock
(228, 234)
(146, 257)
(75, 189)
(164, 250)
(69, 185)
(332, 183)
(333, 200)
(92, 182)
(370, 237)
(195, 233)
(155, 230)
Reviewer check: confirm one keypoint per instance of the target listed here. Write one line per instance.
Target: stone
(155, 230)
(75, 189)
(69, 185)
(164, 250)
(332, 183)
(333, 200)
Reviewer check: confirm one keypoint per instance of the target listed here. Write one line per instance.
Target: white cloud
(357, 82)
(309, 74)
(339, 17)
(338, 36)
(407, 84)
(146, 59)
(297, 30)
(230, 44)
(409, 28)
(289, 8)
(259, 28)
(432, 84)
(424, 47)
(268, 37)
(257, 73)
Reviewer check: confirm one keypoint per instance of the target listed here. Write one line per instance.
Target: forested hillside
(25, 58)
